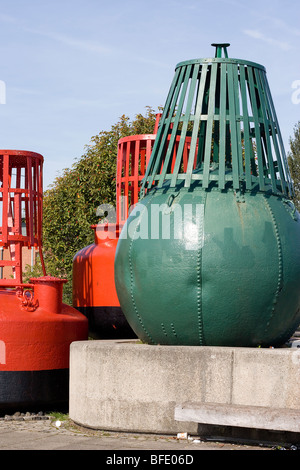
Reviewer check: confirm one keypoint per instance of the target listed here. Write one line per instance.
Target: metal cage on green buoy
(227, 105)
(211, 254)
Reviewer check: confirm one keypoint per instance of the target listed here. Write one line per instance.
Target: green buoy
(211, 253)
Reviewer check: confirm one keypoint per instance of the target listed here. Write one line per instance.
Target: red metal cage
(21, 196)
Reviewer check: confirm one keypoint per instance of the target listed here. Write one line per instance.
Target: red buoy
(94, 292)
(36, 327)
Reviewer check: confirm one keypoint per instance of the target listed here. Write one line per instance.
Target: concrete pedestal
(133, 387)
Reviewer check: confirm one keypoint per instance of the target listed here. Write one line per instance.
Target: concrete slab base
(257, 417)
(129, 386)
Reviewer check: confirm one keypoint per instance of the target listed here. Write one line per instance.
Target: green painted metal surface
(211, 254)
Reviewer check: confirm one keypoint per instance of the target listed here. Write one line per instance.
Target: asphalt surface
(48, 434)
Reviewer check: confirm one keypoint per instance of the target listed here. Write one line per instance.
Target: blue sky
(73, 67)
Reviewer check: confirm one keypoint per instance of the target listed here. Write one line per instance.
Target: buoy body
(94, 292)
(35, 343)
(234, 260)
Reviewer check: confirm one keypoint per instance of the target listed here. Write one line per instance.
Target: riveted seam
(280, 263)
(131, 273)
(199, 281)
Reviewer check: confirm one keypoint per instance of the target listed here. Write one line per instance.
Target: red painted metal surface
(36, 327)
(93, 269)
(35, 338)
(94, 292)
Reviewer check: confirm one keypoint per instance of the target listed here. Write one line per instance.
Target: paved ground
(43, 434)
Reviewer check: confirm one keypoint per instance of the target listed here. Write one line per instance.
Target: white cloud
(89, 46)
(8, 19)
(285, 46)
(25, 91)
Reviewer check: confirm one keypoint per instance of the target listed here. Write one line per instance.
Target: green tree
(70, 204)
(294, 162)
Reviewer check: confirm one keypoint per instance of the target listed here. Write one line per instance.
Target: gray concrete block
(128, 386)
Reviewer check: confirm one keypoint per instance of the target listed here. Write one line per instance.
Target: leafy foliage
(70, 204)
(294, 163)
